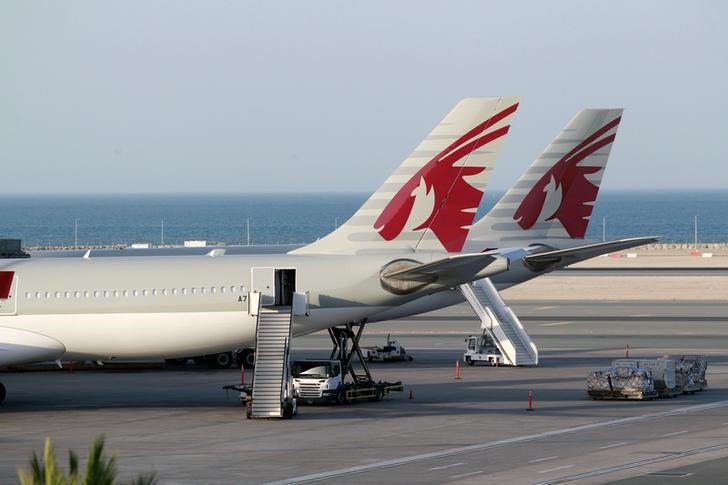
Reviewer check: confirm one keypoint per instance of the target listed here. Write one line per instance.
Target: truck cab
(482, 349)
(319, 380)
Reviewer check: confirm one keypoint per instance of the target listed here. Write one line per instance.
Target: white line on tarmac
(634, 464)
(555, 323)
(545, 308)
(675, 433)
(496, 444)
(467, 474)
(542, 459)
(562, 467)
(613, 445)
(447, 466)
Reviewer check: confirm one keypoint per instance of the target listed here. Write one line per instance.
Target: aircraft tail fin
(554, 198)
(430, 201)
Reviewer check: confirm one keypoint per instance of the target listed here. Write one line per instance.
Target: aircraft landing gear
(3, 393)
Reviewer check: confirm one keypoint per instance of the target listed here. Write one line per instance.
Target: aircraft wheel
(3, 393)
(249, 357)
(220, 361)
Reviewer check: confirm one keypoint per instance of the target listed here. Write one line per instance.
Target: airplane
(540, 223)
(404, 242)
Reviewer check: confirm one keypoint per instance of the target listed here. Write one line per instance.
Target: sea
(171, 219)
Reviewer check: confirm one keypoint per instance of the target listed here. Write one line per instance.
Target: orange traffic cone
(457, 369)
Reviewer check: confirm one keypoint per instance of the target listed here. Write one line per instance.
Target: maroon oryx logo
(564, 192)
(449, 198)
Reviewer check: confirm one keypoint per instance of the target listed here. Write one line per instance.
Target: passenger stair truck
(272, 394)
(513, 344)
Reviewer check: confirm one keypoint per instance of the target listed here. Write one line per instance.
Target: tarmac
(181, 424)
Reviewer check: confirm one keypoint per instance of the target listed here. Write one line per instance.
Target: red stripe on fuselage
(6, 281)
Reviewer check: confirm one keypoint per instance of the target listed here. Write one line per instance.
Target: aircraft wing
(565, 257)
(405, 275)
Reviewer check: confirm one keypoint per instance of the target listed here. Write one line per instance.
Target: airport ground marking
(467, 474)
(613, 445)
(545, 308)
(537, 460)
(675, 433)
(634, 464)
(565, 322)
(446, 466)
(562, 467)
(406, 460)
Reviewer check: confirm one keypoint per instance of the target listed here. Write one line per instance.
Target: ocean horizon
(52, 220)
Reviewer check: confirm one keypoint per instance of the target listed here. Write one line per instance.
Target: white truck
(316, 381)
(482, 349)
(391, 352)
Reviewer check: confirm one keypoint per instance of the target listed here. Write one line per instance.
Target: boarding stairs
(272, 345)
(501, 323)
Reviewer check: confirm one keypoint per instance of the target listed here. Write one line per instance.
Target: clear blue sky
(223, 96)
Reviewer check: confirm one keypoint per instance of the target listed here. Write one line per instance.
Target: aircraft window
(164, 291)
(97, 293)
(76, 294)
(116, 293)
(37, 295)
(134, 292)
(193, 290)
(174, 291)
(222, 289)
(126, 293)
(212, 289)
(144, 292)
(106, 293)
(47, 294)
(57, 294)
(27, 296)
(67, 294)
(184, 291)
(242, 289)
(202, 290)
(154, 292)
(86, 294)
(233, 289)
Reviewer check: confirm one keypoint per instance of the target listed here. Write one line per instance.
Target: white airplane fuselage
(153, 307)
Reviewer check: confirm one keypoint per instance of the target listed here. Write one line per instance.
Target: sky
(223, 96)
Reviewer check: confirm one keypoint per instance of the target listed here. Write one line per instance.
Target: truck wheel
(341, 397)
(380, 394)
(3, 393)
(220, 361)
(249, 409)
(469, 361)
(288, 410)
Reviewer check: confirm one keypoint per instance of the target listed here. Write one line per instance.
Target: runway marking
(542, 459)
(634, 464)
(545, 308)
(562, 467)
(613, 445)
(406, 460)
(675, 433)
(467, 474)
(640, 315)
(566, 322)
(446, 466)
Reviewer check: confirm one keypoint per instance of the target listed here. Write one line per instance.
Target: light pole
(696, 231)
(75, 233)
